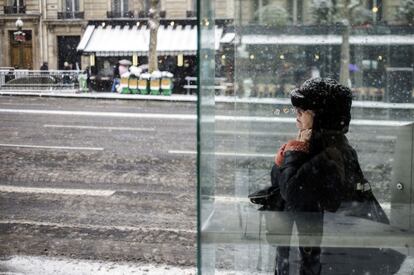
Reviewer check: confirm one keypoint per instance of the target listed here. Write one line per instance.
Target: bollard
(83, 86)
(123, 86)
(166, 83)
(133, 84)
(143, 83)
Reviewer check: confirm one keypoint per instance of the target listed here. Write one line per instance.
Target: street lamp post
(20, 37)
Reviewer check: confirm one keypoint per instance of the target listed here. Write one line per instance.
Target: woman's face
(304, 119)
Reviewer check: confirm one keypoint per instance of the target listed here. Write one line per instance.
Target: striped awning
(228, 37)
(129, 40)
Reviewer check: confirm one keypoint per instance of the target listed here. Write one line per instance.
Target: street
(115, 180)
(133, 200)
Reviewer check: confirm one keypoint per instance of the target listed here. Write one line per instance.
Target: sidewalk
(173, 97)
(64, 266)
(27, 265)
(102, 95)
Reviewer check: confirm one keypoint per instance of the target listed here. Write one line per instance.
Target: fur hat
(330, 101)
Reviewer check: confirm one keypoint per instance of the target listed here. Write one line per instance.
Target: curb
(182, 98)
(194, 98)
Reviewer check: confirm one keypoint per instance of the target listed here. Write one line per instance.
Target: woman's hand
(304, 135)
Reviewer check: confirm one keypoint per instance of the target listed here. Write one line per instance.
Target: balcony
(191, 14)
(14, 9)
(71, 15)
(118, 14)
(145, 14)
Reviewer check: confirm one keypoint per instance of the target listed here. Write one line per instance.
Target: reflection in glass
(270, 49)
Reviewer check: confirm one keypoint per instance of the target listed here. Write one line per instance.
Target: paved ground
(134, 200)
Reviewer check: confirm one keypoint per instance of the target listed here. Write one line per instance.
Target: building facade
(282, 41)
(299, 11)
(53, 28)
(285, 42)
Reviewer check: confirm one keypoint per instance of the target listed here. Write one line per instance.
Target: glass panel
(321, 182)
(116, 6)
(194, 5)
(147, 5)
(120, 6)
(15, 3)
(206, 129)
(72, 5)
(125, 5)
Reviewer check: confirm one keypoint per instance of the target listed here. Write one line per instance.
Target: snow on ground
(35, 265)
(407, 267)
(28, 265)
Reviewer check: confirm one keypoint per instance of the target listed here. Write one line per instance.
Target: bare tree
(347, 19)
(154, 23)
(347, 12)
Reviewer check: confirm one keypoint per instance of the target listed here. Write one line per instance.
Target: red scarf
(291, 145)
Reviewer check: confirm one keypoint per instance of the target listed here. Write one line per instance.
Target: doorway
(21, 52)
(67, 51)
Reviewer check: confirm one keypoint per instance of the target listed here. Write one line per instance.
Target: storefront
(282, 59)
(176, 48)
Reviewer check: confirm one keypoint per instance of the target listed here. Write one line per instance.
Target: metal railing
(35, 80)
(71, 15)
(191, 13)
(118, 14)
(14, 9)
(145, 14)
(221, 86)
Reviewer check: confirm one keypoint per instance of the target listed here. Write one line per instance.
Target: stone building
(285, 42)
(54, 28)
(292, 44)
(299, 11)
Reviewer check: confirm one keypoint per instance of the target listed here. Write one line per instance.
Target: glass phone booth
(245, 75)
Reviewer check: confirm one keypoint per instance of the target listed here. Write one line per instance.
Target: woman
(314, 173)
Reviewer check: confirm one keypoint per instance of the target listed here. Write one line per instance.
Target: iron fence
(30, 80)
(118, 14)
(71, 15)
